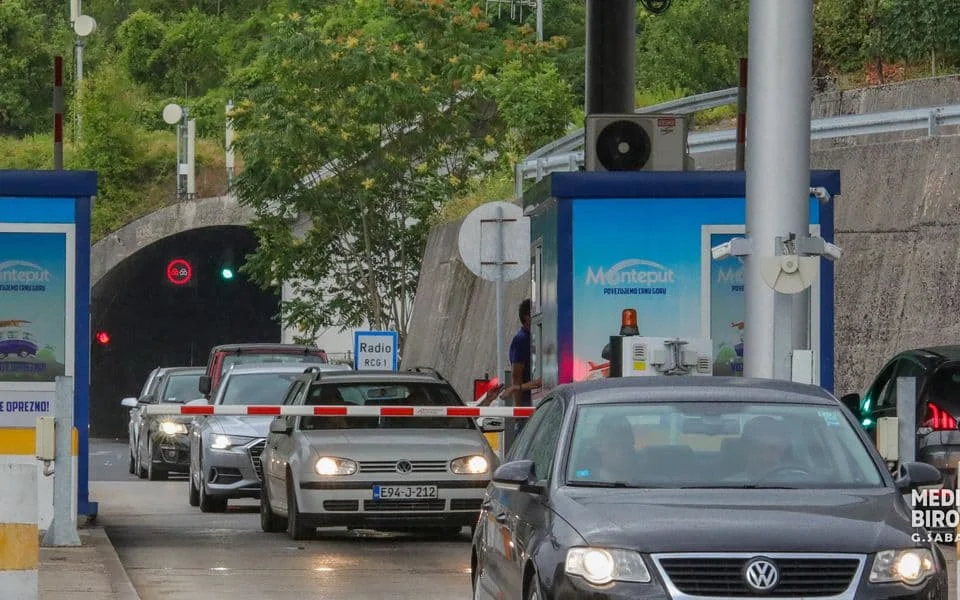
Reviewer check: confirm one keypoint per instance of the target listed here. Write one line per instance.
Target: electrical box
(46, 436)
(652, 356)
(888, 438)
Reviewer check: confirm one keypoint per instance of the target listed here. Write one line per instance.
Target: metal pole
(191, 158)
(63, 531)
(499, 283)
(229, 146)
(79, 79)
(778, 169)
(539, 20)
(611, 56)
(58, 113)
(907, 418)
(742, 116)
(179, 160)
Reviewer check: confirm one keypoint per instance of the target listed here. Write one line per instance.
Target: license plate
(404, 492)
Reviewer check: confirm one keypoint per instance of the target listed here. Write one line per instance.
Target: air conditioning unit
(615, 142)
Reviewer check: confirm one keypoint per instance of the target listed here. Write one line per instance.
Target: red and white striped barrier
(339, 411)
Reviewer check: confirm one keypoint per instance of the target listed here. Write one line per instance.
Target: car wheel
(23, 354)
(270, 522)
(194, 494)
(209, 503)
(533, 591)
(141, 472)
(296, 528)
(477, 572)
(153, 473)
(133, 464)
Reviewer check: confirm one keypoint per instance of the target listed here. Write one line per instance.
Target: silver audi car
(396, 473)
(225, 450)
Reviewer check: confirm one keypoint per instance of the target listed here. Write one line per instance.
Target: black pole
(611, 56)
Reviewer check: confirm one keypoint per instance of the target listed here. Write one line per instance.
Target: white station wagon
(418, 474)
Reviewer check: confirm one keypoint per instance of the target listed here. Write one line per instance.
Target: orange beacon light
(628, 322)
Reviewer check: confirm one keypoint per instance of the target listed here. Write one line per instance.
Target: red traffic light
(103, 338)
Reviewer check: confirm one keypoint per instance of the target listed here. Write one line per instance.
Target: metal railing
(566, 154)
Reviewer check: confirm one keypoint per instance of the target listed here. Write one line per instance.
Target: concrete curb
(119, 580)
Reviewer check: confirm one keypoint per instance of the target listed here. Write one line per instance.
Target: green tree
(395, 102)
(188, 57)
(924, 29)
(139, 38)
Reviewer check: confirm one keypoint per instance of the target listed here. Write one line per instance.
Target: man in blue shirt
(520, 363)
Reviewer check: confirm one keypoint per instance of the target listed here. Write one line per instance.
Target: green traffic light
(227, 273)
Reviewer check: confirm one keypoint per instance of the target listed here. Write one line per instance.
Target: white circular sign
(479, 241)
(172, 113)
(84, 25)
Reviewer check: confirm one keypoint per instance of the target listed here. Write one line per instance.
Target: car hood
(243, 426)
(394, 444)
(860, 521)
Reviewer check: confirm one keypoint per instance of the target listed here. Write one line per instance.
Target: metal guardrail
(894, 121)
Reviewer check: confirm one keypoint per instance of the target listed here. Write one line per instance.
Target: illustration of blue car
(14, 340)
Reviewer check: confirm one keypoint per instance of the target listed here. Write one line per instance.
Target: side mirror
(490, 424)
(852, 402)
(204, 384)
(520, 475)
(914, 475)
(129, 402)
(280, 425)
(197, 402)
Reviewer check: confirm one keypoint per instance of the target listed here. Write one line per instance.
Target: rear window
(181, 388)
(256, 388)
(269, 357)
(384, 394)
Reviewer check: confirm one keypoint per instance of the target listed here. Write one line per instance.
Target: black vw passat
(687, 488)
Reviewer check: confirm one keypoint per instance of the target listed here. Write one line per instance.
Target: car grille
(255, 451)
(390, 466)
(465, 504)
(402, 505)
(723, 576)
(341, 505)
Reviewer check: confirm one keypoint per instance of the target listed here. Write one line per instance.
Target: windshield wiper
(745, 486)
(605, 484)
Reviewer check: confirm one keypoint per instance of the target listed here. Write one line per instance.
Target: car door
(278, 449)
(497, 545)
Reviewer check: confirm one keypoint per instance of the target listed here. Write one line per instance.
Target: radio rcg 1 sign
(376, 350)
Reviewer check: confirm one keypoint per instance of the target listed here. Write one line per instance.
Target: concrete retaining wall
(898, 221)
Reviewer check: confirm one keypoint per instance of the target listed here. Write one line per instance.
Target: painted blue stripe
(658, 184)
(565, 252)
(827, 306)
(82, 357)
(58, 184)
(36, 210)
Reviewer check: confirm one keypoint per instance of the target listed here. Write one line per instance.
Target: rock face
(898, 222)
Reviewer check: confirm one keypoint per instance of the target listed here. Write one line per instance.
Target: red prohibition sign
(179, 271)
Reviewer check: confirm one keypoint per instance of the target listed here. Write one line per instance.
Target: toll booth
(603, 243)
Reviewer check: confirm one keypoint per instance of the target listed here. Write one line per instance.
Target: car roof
(378, 376)
(935, 352)
(694, 389)
(183, 371)
(279, 367)
(267, 346)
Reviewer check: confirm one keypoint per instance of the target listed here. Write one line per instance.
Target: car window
(522, 441)
(380, 394)
(543, 443)
(904, 368)
(255, 388)
(149, 383)
(266, 357)
(718, 444)
(180, 389)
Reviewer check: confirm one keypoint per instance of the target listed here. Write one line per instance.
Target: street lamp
(174, 114)
(83, 26)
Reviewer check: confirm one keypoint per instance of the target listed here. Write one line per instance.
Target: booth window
(536, 276)
(536, 357)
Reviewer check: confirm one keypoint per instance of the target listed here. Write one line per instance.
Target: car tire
(478, 571)
(153, 473)
(270, 522)
(296, 529)
(133, 465)
(193, 496)
(208, 503)
(141, 472)
(533, 590)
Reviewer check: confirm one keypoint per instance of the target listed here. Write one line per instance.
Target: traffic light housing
(103, 338)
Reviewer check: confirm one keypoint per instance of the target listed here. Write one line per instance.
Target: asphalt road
(172, 551)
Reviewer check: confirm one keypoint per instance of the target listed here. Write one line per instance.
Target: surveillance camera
(831, 252)
(724, 250)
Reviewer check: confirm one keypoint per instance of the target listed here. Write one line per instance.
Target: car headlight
(911, 566)
(331, 465)
(171, 428)
(600, 566)
(470, 465)
(224, 442)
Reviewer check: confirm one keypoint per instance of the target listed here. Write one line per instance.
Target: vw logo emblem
(404, 466)
(761, 575)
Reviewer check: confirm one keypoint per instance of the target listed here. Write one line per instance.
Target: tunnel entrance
(167, 305)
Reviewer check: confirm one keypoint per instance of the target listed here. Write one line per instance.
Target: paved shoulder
(91, 571)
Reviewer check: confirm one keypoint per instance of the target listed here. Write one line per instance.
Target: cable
(657, 7)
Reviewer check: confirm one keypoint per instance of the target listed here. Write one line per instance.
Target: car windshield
(256, 388)
(248, 358)
(384, 394)
(181, 388)
(718, 444)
